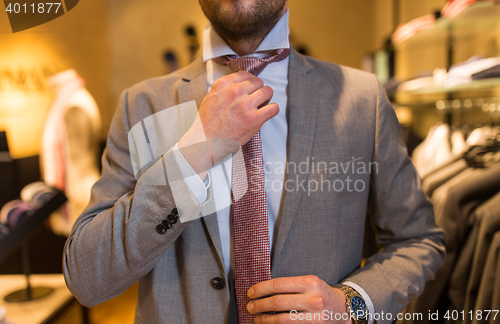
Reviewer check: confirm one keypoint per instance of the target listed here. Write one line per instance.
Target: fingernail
(250, 307)
(250, 292)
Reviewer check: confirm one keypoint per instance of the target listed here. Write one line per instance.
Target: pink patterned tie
(253, 65)
(252, 256)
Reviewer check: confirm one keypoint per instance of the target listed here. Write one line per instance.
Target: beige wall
(139, 33)
(338, 31)
(383, 22)
(411, 9)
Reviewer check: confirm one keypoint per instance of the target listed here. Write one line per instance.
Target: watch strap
(350, 293)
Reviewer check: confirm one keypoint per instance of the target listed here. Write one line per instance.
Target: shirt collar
(214, 46)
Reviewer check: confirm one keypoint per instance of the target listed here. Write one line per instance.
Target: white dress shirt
(273, 136)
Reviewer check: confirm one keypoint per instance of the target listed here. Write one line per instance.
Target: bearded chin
(243, 23)
(241, 28)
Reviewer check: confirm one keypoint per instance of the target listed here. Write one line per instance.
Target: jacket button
(175, 212)
(218, 283)
(160, 228)
(172, 219)
(166, 224)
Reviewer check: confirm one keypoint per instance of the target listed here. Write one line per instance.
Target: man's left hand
(308, 295)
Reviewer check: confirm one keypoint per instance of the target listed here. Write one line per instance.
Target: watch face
(358, 306)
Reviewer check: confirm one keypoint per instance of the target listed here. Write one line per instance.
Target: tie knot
(253, 65)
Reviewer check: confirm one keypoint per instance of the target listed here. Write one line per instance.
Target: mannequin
(70, 147)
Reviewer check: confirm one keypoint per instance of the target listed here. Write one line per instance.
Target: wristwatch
(355, 304)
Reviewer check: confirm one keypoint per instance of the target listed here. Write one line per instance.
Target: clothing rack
(465, 191)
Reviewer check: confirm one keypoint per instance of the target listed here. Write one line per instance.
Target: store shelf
(23, 231)
(490, 105)
(477, 85)
(478, 18)
(429, 95)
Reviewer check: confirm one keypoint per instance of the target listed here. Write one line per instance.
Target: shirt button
(218, 283)
(160, 228)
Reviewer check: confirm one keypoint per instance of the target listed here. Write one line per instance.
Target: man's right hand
(227, 119)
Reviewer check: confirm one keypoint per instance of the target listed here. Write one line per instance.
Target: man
(335, 132)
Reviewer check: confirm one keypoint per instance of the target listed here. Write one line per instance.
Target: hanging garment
(458, 144)
(440, 176)
(447, 170)
(70, 147)
(466, 276)
(488, 297)
(434, 151)
(480, 136)
(486, 224)
(454, 204)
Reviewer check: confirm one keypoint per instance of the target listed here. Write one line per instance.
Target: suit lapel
(194, 83)
(303, 90)
(194, 87)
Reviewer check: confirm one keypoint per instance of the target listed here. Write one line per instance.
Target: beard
(236, 20)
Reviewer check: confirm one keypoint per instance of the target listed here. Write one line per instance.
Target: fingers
(246, 82)
(267, 112)
(285, 285)
(260, 96)
(283, 303)
(234, 78)
(253, 84)
(241, 76)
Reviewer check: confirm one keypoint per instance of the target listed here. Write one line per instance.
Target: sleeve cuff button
(160, 228)
(171, 219)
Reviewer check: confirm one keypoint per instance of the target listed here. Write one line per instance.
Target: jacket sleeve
(114, 242)
(412, 245)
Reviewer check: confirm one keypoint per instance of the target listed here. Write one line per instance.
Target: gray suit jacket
(335, 114)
